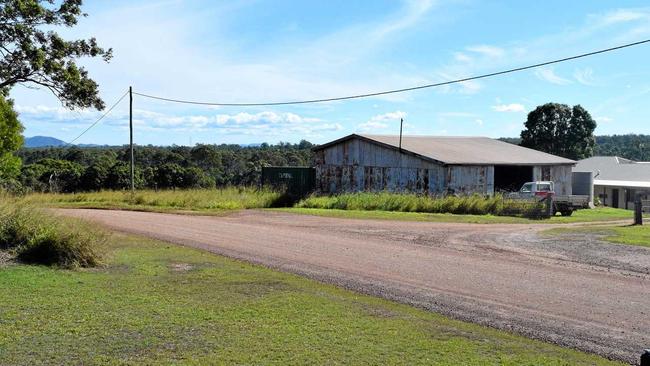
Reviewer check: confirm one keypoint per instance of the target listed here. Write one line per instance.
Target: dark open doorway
(509, 178)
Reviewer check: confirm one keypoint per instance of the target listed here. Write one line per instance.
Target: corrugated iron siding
(465, 179)
(561, 175)
(356, 165)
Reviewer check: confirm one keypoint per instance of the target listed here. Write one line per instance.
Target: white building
(617, 180)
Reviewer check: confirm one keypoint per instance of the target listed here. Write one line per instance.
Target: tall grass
(34, 236)
(231, 198)
(408, 202)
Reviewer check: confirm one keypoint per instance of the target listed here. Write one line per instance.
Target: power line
(399, 90)
(98, 120)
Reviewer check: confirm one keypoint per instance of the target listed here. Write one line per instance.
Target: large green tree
(32, 53)
(11, 139)
(560, 130)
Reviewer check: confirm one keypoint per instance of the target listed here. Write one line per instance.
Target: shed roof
(462, 150)
(613, 170)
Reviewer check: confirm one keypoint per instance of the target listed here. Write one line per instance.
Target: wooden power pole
(401, 122)
(131, 138)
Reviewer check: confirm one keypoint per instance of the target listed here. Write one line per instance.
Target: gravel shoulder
(577, 292)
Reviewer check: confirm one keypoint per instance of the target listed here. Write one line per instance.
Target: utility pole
(401, 122)
(131, 138)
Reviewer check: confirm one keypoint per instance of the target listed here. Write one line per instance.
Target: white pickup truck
(564, 204)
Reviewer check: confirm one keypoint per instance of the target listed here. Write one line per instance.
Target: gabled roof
(616, 171)
(461, 150)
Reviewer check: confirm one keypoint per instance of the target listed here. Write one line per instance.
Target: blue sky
(253, 50)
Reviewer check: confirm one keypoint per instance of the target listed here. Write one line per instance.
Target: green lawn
(156, 303)
(632, 235)
(597, 214)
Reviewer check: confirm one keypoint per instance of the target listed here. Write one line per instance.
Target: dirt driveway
(579, 293)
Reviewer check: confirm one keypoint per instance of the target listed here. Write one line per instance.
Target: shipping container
(297, 181)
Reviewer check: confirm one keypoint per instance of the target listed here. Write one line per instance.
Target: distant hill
(43, 141)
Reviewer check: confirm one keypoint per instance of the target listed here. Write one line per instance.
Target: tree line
(630, 146)
(76, 169)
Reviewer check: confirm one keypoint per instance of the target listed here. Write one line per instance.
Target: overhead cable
(374, 94)
(98, 120)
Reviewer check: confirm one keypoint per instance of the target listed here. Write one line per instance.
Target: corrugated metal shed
(462, 150)
(434, 165)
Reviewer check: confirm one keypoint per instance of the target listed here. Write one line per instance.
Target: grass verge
(33, 236)
(593, 215)
(631, 235)
(156, 303)
(409, 202)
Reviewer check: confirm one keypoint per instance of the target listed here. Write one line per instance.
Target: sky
(277, 50)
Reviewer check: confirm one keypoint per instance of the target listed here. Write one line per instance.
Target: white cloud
(550, 76)
(584, 76)
(486, 50)
(415, 9)
(604, 119)
(479, 122)
(382, 121)
(261, 123)
(513, 107)
(462, 57)
(371, 126)
(623, 16)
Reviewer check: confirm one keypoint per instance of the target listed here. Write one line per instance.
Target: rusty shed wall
(469, 179)
(356, 165)
(561, 175)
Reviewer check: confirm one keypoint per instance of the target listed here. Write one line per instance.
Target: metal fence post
(549, 206)
(638, 210)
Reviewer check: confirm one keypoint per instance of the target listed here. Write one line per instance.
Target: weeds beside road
(33, 236)
(204, 200)
(409, 207)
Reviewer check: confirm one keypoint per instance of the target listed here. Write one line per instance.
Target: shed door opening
(509, 178)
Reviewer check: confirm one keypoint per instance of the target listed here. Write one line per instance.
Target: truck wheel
(566, 212)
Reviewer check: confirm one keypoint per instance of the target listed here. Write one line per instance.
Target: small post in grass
(645, 358)
(638, 210)
(549, 206)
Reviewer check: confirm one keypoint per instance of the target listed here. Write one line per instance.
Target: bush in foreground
(409, 202)
(36, 237)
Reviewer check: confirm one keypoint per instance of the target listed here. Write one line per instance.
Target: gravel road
(576, 292)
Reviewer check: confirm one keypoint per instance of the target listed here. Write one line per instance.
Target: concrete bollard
(645, 358)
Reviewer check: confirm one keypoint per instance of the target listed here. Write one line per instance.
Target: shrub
(36, 237)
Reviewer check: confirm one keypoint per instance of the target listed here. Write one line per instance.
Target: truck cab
(539, 189)
(564, 204)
